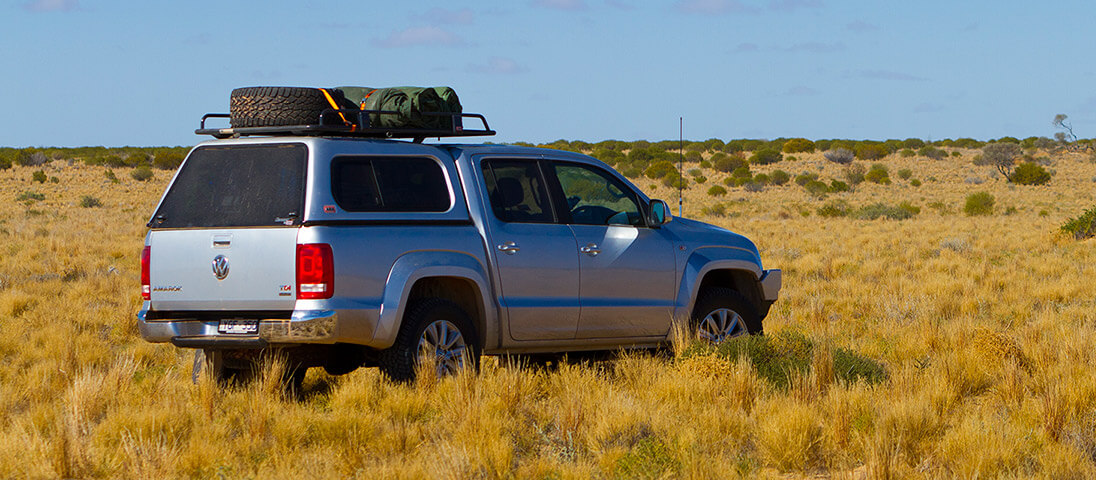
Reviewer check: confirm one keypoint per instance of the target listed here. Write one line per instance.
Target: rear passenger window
(367, 184)
(517, 191)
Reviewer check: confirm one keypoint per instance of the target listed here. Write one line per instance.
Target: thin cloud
(442, 16)
(792, 5)
(52, 5)
(889, 75)
(499, 66)
(861, 26)
(419, 36)
(570, 5)
(800, 91)
(713, 7)
(814, 47)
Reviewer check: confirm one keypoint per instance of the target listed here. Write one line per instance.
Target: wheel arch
(728, 267)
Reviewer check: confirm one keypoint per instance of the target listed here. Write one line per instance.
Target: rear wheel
(435, 334)
(722, 313)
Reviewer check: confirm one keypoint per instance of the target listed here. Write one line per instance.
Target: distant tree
(798, 145)
(766, 156)
(1002, 156)
(932, 152)
(1066, 135)
(870, 150)
(1030, 173)
(841, 156)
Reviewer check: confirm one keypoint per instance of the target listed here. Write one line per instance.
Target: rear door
(225, 234)
(536, 257)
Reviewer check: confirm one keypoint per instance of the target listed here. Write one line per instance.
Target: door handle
(590, 249)
(508, 248)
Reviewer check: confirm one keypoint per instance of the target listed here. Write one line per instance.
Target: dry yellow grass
(987, 327)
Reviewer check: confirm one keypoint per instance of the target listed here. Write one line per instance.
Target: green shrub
(791, 158)
(1081, 227)
(932, 152)
(909, 207)
(693, 157)
(913, 143)
(816, 188)
(905, 174)
(878, 174)
(88, 201)
(141, 173)
(727, 163)
(705, 164)
(717, 191)
(870, 151)
(1030, 173)
(674, 180)
(839, 208)
(980, 203)
(700, 179)
(660, 169)
(742, 172)
(30, 197)
(38, 176)
(906, 153)
(30, 157)
(779, 177)
(804, 178)
(851, 367)
(717, 210)
(877, 210)
(838, 186)
(915, 183)
(761, 179)
(694, 172)
(798, 145)
(766, 156)
(740, 181)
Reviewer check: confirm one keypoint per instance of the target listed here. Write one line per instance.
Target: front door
(628, 270)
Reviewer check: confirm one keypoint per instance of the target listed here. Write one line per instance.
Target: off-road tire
(400, 361)
(714, 298)
(280, 106)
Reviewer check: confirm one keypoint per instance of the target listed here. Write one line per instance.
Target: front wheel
(435, 332)
(722, 313)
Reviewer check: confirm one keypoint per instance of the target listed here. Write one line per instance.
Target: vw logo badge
(220, 267)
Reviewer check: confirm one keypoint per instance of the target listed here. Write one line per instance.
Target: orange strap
(334, 105)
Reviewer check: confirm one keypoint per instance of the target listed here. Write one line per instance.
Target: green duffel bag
(410, 103)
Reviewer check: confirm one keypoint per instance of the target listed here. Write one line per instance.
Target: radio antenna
(680, 160)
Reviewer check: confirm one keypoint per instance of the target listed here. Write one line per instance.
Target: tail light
(146, 285)
(315, 271)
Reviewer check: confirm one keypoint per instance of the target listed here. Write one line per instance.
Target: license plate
(238, 327)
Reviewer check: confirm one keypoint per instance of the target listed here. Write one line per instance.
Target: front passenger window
(597, 198)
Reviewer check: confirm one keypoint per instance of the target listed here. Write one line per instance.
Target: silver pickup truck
(345, 252)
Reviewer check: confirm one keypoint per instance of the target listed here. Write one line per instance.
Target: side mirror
(658, 213)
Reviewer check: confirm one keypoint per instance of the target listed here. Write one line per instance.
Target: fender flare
(707, 259)
(414, 266)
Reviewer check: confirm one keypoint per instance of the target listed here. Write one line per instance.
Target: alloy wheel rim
(443, 344)
(721, 324)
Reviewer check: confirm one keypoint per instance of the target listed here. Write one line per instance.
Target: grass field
(985, 325)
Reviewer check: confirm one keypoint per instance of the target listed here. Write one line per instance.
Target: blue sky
(84, 72)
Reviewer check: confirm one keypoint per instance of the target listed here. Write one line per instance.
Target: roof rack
(328, 126)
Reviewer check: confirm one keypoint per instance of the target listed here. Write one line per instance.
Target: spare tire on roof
(280, 106)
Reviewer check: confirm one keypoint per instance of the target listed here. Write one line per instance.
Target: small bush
(88, 201)
(980, 203)
(905, 174)
(929, 151)
(30, 197)
(700, 179)
(30, 157)
(804, 178)
(878, 174)
(717, 191)
(659, 169)
(1029, 173)
(705, 164)
(798, 145)
(841, 156)
(854, 174)
(877, 210)
(38, 176)
(779, 177)
(727, 163)
(1081, 227)
(915, 183)
(839, 208)
(752, 186)
(742, 172)
(766, 156)
(838, 186)
(761, 179)
(906, 153)
(141, 173)
(817, 188)
(870, 151)
(717, 210)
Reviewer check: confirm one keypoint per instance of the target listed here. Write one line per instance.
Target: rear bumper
(302, 326)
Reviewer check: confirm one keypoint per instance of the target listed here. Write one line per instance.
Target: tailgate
(223, 269)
